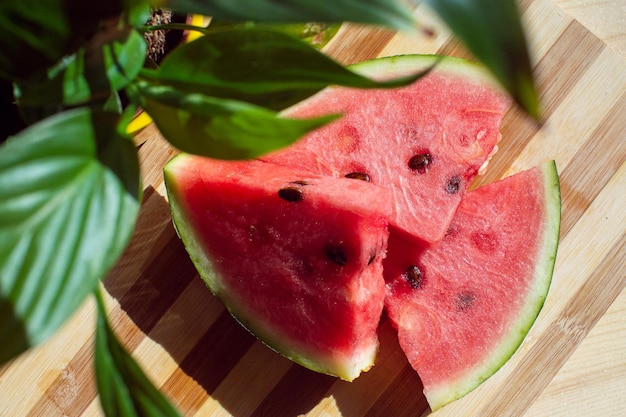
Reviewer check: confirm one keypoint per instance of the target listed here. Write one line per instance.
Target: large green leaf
(69, 197)
(220, 128)
(35, 34)
(493, 32)
(125, 391)
(259, 66)
(392, 13)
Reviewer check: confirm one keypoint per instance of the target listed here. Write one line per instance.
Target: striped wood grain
(209, 366)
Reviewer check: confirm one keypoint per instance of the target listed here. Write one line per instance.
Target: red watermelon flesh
(424, 142)
(463, 305)
(295, 257)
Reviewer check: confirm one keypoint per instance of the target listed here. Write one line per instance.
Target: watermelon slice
(463, 306)
(295, 257)
(424, 142)
(307, 259)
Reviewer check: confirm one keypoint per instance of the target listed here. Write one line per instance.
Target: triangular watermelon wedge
(424, 142)
(462, 306)
(296, 258)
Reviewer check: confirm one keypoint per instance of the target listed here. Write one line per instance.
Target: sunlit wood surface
(573, 362)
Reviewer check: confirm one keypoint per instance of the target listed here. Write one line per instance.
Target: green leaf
(493, 32)
(392, 13)
(35, 34)
(125, 390)
(260, 66)
(316, 34)
(137, 12)
(120, 54)
(107, 63)
(69, 197)
(220, 128)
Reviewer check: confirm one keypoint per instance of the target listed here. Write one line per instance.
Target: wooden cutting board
(209, 366)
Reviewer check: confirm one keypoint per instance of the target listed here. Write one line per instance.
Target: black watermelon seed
(358, 176)
(465, 300)
(452, 232)
(454, 185)
(420, 162)
(336, 254)
(414, 275)
(291, 194)
(300, 182)
(372, 257)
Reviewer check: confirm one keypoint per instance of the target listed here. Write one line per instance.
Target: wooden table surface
(573, 362)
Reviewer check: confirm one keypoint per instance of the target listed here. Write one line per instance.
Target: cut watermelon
(295, 250)
(296, 258)
(424, 142)
(463, 305)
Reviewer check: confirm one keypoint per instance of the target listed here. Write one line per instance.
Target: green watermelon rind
(326, 364)
(397, 66)
(544, 268)
(404, 65)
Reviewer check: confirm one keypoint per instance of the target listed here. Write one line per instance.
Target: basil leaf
(220, 128)
(69, 197)
(125, 390)
(493, 32)
(35, 34)
(107, 63)
(259, 66)
(392, 13)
